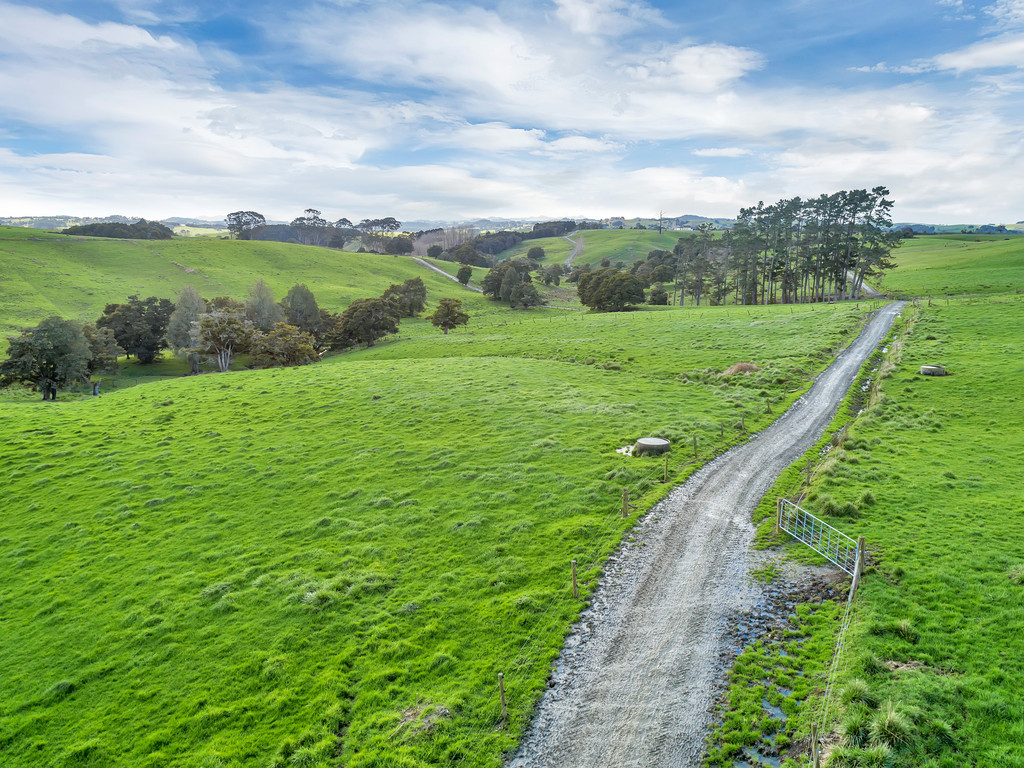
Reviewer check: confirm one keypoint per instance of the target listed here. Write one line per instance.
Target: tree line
(140, 230)
(60, 352)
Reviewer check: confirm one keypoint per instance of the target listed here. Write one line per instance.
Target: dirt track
(638, 678)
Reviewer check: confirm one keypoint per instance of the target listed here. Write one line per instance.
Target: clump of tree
(609, 289)
(243, 224)
(465, 274)
(810, 250)
(286, 345)
(51, 356)
(187, 309)
(140, 230)
(364, 321)
(139, 326)
(410, 296)
(260, 308)
(449, 315)
(222, 335)
(511, 281)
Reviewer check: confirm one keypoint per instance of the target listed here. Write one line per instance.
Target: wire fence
(829, 542)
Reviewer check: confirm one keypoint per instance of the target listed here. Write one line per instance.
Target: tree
(187, 309)
(609, 290)
(140, 230)
(434, 251)
(221, 335)
(260, 309)
(525, 295)
(284, 346)
(464, 274)
(52, 355)
(658, 295)
(449, 315)
(467, 254)
(313, 228)
(103, 349)
(365, 321)
(398, 245)
(510, 281)
(243, 224)
(139, 326)
(301, 310)
(410, 296)
(374, 230)
(552, 274)
(536, 253)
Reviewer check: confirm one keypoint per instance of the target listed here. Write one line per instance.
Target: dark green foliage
(286, 345)
(242, 224)
(434, 251)
(536, 253)
(365, 321)
(222, 335)
(410, 296)
(467, 254)
(465, 274)
(139, 326)
(301, 310)
(140, 230)
(609, 290)
(103, 349)
(500, 280)
(398, 245)
(449, 315)
(260, 308)
(50, 356)
(524, 296)
(658, 295)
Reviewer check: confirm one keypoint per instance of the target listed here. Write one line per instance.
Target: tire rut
(639, 675)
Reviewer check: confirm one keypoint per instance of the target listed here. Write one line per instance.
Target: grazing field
(952, 265)
(929, 474)
(42, 273)
(627, 245)
(330, 564)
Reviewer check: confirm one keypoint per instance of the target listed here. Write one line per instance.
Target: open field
(626, 245)
(42, 274)
(937, 265)
(331, 563)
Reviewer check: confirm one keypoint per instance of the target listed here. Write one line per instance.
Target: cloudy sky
(525, 108)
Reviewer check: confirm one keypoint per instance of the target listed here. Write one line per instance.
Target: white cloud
(1003, 51)
(1007, 13)
(722, 152)
(605, 17)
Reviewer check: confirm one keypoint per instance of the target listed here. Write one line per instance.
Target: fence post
(815, 755)
(694, 446)
(808, 471)
(858, 569)
(778, 516)
(665, 480)
(501, 692)
(575, 588)
(625, 502)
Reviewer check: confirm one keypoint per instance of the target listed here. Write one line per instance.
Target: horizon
(466, 109)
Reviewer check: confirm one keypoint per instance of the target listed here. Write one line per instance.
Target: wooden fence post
(625, 502)
(665, 480)
(575, 588)
(778, 516)
(815, 754)
(501, 692)
(808, 472)
(695, 446)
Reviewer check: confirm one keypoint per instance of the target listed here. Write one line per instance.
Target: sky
(509, 108)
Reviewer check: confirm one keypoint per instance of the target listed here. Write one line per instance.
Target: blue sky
(524, 108)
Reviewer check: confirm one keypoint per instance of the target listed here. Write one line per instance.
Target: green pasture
(929, 474)
(627, 245)
(43, 274)
(953, 265)
(330, 564)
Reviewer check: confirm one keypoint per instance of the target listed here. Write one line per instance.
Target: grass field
(957, 264)
(42, 274)
(330, 564)
(627, 245)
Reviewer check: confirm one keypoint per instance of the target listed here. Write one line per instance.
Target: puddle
(755, 758)
(776, 713)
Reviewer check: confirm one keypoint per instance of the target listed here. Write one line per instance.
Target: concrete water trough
(933, 370)
(651, 445)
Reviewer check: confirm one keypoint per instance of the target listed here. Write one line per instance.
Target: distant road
(577, 248)
(440, 271)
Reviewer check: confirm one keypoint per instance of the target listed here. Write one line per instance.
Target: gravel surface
(637, 681)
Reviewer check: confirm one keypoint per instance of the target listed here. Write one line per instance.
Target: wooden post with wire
(626, 506)
(815, 753)
(501, 693)
(694, 446)
(665, 476)
(808, 471)
(778, 516)
(575, 587)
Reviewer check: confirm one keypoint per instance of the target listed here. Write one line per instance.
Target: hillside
(42, 273)
(937, 265)
(332, 563)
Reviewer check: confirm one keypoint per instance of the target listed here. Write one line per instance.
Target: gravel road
(638, 678)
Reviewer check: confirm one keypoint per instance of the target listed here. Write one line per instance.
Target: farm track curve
(638, 678)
